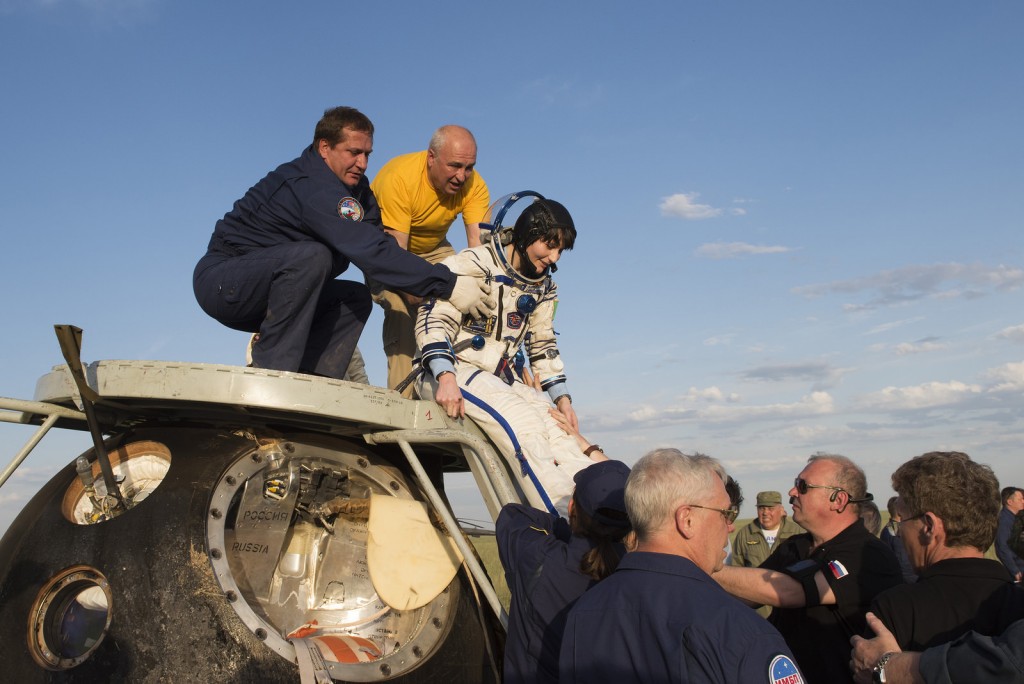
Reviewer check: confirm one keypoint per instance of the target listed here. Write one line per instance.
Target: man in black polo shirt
(822, 582)
(949, 505)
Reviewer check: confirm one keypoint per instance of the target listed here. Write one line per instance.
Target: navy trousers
(307, 321)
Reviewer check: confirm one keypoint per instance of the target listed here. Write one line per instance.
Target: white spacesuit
(482, 354)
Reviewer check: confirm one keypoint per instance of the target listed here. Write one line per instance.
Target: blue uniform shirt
(304, 200)
(541, 558)
(660, 618)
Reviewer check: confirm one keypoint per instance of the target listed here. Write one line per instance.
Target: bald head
(451, 157)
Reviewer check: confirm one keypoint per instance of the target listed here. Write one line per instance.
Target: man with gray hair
(659, 617)
(821, 583)
(420, 194)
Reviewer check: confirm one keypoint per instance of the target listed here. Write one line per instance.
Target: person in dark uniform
(821, 583)
(271, 264)
(949, 506)
(660, 617)
(550, 561)
(890, 535)
(1013, 504)
(970, 659)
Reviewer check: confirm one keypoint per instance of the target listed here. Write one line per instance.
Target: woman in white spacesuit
(471, 363)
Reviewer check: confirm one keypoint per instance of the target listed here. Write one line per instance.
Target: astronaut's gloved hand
(473, 296)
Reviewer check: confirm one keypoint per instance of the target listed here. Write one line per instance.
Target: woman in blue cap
(550, 561)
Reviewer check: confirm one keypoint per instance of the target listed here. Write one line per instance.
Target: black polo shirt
(857, 566)
(950, 598)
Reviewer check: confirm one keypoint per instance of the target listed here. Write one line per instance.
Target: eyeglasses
(901, 525)
(729, 514)
(801, 485)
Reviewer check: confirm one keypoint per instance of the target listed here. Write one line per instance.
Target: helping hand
(867, 652)
(473, 296)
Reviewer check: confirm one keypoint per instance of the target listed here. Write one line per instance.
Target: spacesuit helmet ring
(542, 219)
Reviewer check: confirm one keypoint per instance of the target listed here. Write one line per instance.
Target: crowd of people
(676, 610)
(616, 574)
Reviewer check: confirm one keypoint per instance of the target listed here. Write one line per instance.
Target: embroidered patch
(350, 208)
(514, 320)
(783, 671)
(838, 569)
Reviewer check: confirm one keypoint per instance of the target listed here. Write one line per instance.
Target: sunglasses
(801, 485)
(729, 514)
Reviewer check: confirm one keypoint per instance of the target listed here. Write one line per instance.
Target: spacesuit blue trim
(527, 470)
(558, 389)
(438, 365)
(438, 357)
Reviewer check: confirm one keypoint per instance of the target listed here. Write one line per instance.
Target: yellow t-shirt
(409, 203)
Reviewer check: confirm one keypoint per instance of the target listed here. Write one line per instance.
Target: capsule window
(70, 618)
(138, 468)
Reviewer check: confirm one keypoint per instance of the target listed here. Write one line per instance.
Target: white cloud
(716, 340)
(926, 395)
(648, 417)
(684, 205)
(912, 283)
(905, 348)
(820, 373)
(732, 250)
(817, 434)
(814, 404)
(1013, 334)
(883, 327)
(1007, 378)
(709, 394)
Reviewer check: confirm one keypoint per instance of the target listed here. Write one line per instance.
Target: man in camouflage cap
(756, 541)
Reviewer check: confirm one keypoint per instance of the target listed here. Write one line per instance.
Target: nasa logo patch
(783, 671)
(514, 320)
(350, 208)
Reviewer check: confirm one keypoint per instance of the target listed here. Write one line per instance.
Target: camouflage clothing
(750, 548)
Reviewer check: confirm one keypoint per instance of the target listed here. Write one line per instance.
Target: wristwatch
(878, 671)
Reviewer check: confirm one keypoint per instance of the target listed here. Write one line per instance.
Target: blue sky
(800, 222)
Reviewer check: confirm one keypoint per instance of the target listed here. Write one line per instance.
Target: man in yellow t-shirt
(420, 194)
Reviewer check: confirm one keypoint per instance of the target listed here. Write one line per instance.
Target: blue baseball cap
(600, 492)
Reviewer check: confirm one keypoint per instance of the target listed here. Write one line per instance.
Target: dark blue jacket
(1012, 561)
(660, 618)
(541, 558)
(304, 200)
(976, 658)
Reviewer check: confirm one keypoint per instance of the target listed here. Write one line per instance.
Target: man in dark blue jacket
(1013, 503)
(660, 617)
(272, 261)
